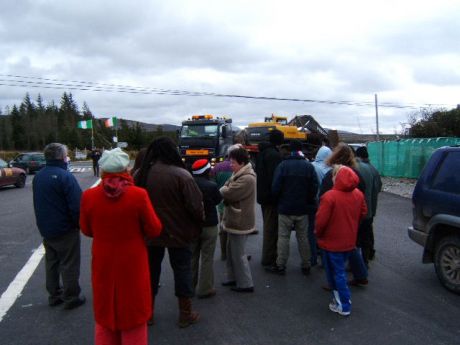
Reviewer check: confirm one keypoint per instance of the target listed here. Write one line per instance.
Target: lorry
(301, 127)
(205, 136)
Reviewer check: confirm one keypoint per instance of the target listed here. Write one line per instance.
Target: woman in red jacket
(119, 216)
(337, 220)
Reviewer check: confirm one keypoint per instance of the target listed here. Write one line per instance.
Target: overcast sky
(407, 52)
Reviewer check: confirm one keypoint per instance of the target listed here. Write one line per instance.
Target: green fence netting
(407, 157)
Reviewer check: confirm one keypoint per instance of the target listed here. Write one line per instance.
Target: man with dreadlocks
(179, 205)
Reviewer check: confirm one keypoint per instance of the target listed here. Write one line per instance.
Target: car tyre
(447, 262)
(21, 181)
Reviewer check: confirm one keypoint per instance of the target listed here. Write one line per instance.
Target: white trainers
(333, 306)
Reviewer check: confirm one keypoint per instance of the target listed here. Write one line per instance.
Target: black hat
(296, 145)
(361, 152)
(276, 137)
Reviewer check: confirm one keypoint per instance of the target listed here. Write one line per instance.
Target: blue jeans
(334, 266)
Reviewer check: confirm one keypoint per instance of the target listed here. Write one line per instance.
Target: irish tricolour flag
(111, 122)
(87, 124)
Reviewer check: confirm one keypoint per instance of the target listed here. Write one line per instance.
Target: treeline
(33, 124)
(435, 123)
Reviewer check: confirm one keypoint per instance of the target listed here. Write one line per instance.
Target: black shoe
(237, 289)
(54, 301)
(306, 270)
(276, 269)
(230, 283)
(75, 302)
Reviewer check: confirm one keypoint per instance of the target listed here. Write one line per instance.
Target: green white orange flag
(87, 124)
(111, 122)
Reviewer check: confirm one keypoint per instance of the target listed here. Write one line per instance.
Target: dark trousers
(312, 238)
(270, 240)
(62, 260)
(366, 239)
(180, 260)
(96, 169)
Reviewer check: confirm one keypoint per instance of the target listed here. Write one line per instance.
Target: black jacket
(327, 183)
(211, 198)
(295, 185)
(267, 160)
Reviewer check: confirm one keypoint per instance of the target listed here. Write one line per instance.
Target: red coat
(118, 216)
(340, 211)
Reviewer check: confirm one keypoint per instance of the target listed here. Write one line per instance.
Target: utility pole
(377, 119)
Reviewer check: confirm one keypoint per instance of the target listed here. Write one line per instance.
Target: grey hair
(55, 151)
(233, 147)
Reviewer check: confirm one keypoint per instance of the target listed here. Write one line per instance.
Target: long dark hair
(162, 149)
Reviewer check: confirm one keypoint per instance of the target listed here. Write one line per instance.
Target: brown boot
(186, 315)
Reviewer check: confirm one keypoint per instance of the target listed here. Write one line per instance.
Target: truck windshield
(199, 131)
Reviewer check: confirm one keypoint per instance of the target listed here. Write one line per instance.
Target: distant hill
(150, 127)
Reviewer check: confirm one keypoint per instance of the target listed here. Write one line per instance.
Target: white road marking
(15, 288)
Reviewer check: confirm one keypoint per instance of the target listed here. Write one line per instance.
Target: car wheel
(21, 181)
(447, 262)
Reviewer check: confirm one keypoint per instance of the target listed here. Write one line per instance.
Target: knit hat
(361, 152)
(114, 161)
(200, 166)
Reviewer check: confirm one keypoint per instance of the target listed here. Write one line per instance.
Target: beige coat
(239, 193)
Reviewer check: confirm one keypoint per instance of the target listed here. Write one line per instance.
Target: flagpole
(92, 135)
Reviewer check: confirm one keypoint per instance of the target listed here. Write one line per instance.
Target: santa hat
(200, 166)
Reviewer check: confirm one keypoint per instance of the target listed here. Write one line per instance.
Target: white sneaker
(333, 306)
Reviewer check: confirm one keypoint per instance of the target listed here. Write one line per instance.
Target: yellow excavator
(301, 127)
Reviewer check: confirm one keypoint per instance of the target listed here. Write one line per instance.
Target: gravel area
(400, 186)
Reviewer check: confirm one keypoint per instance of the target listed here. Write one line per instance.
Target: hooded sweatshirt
(321, 167)
(340, 211)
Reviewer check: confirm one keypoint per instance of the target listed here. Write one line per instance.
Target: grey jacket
(239, 194)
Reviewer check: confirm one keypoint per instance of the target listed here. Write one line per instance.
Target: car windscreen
(39, 158)
(199, 131)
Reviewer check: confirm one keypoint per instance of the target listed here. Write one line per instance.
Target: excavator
(301, 127)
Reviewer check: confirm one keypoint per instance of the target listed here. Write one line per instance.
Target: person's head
(295, 146)
(335, 171)
(361, 152)
(342, 154)
(114, 161)
(201, 167)
(139, 158)
(233, 147)
(55, 151)
(276, 137)
(238, 159)
(285, 150)
(323, 153)
(162, 149)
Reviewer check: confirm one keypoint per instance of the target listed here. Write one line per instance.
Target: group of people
(135, 215)
(330, 203)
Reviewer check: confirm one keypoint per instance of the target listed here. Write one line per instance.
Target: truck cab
(205, 136)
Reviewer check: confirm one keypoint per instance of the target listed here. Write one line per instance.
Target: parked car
(30, 161)
(436, 215)
(11, 176)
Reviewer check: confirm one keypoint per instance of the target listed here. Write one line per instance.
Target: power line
(48, 83)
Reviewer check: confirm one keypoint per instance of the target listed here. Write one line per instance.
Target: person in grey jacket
(56, 196)
(239, 194)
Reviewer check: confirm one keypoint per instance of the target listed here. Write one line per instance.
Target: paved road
(403, 304)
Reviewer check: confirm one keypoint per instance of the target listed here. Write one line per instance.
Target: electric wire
(78, 85)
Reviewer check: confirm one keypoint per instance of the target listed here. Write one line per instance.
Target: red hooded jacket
(119, 216)
(340, 211)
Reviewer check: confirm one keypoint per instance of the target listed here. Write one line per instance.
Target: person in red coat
(340, 211)
(119, 217)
